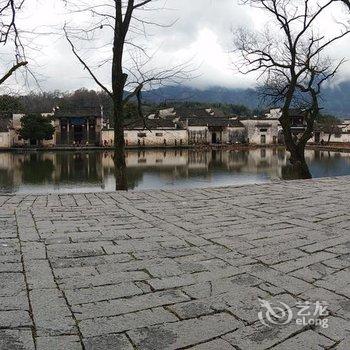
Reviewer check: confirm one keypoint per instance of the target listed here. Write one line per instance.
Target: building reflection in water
(94, 170)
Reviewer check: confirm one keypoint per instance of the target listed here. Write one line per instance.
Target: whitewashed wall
(152, 138)
(5, 139)
(342, 138)
(202, 134)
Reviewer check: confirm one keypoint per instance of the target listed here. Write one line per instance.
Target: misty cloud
(202, 32)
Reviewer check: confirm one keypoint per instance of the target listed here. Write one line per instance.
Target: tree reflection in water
(7, 183)
(121, 183)
(36, 168)
(296, 172)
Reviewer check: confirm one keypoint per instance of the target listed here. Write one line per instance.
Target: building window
(141, 134)
(263, 130)
(159, 134)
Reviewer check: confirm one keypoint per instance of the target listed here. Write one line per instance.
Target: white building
(151, 133)
(173, 127)
(214, 130)
(339, 134)
(262, 131)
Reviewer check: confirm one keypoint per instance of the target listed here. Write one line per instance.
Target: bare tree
(128, 79)
(10, 36)
(292, 62)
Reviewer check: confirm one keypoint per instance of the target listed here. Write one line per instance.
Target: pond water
(93, 171)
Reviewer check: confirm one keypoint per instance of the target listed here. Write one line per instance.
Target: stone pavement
(174, 269)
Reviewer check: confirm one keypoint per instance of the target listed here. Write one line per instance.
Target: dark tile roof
(259, 118)
(264, 125)
(151, 124)
(293, 112)
(218, 112)
(297, 113)
(79, 113)
(211, 121)
(184, 112)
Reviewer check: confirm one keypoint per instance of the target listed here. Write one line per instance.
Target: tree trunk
(298, 168)
(120, 171)
(118, 85)
(296, 154)
(119, 149)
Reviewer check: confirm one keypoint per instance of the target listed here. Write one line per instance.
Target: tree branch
(12, 70)
(94, 77)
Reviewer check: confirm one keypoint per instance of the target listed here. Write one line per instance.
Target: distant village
(170, 127)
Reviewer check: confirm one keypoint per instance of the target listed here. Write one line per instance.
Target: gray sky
(202, 33)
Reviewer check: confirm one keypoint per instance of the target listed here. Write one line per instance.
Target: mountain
(335, 100)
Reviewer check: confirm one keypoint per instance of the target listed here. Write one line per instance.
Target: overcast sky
(202, 33)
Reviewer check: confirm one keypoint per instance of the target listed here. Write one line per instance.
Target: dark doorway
(78, 133)
(214, 138)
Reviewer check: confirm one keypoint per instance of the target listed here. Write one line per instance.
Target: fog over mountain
(202, 34)
(335, 100)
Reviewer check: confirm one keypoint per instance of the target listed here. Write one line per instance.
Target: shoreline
(329, 148)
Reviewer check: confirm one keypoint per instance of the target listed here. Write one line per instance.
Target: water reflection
(95, 170)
